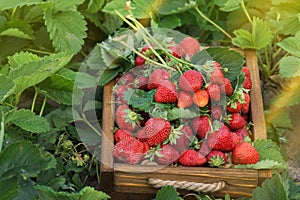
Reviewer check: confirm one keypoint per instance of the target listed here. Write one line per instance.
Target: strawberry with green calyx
(129, 150)
(166, 93)
(157, 78)
(201, 126)
(216, 158)
(180, 138)
(155, 131)
(185, 99)
(191, 80)
(235, 121)
(167, 155)
(234, 104)
(121, 134)
(214, 92)
(192, 158)
(127, 119)
(245, 153)
(201, 98)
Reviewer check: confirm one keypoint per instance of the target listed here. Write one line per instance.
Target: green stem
(90, 125)
(13, 14)
(263, 70)
(213, 23)
(43, 106)
(1, 130)
(33, 101)
(246, 12)
(37, 51)
(267, 61)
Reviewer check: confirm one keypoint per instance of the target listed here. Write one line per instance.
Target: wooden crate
(124, 181)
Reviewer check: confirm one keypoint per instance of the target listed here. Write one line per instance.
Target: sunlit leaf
(6, 85)
(228, 5)
(7, 4)
(291, 45)
(289, 67)
(169, 7)
(14, 32)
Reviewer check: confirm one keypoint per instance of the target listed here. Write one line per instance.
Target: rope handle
(186, 185)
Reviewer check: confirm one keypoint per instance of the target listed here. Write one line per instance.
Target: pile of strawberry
(215, 133)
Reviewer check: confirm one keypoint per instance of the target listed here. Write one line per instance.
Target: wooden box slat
(132, 180)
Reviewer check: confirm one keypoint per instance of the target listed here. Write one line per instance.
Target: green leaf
(291, 45)
(21, 58)
(169, 21)
(229, 59)
(271, 189)
(289, 67)
(25, 159)
(28, 121)
(63, 5)
(32, 73)
(82, 80)
(264, 164)
(9, 188)
(180, 113)
(167, 193)
(60, 117)
(279, 118)
(140, 99)
(58, 88)
(27, 190)
(267, 149)
(169, 7)
(66, 34)
(84, 194)
(7, 4)
(6, 85)
(260, 37)
(14, 32)
(109, 75)
(228, 5)
(95, 5)
(141, 8)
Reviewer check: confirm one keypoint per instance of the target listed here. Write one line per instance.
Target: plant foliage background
(43, 44)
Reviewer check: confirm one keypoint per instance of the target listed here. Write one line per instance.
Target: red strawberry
(201, 125)
(216, 76)
(139, 61)
(245, 153)
(246, 105)
(216, 158)
(221, 139)
(236, 121)
(246, 71)
(121, 134)
(166, 93)
(126, 118)
(242, 133)
(205, 148)
(177, 51)
(227, 86)
(234, 106)
(155, 131)
(167, 155)
(190, 45)
(192, 158)
(182, 138)
(185, 99)
(158, 77)
(127, 79)
(191, 80)
(129, 150)
(214, 92)
(201, 98)
(216, 111)
(247, 84)
(142, 83)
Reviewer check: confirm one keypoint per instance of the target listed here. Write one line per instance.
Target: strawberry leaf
(7, 4)
(6, 86)
(140, 99)
(289, 67)
(170, 7)
(167, 193)
(180, 113)
(228, 5)
(229, 59)
(273, 188)
(291, 45)
(66, 34)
